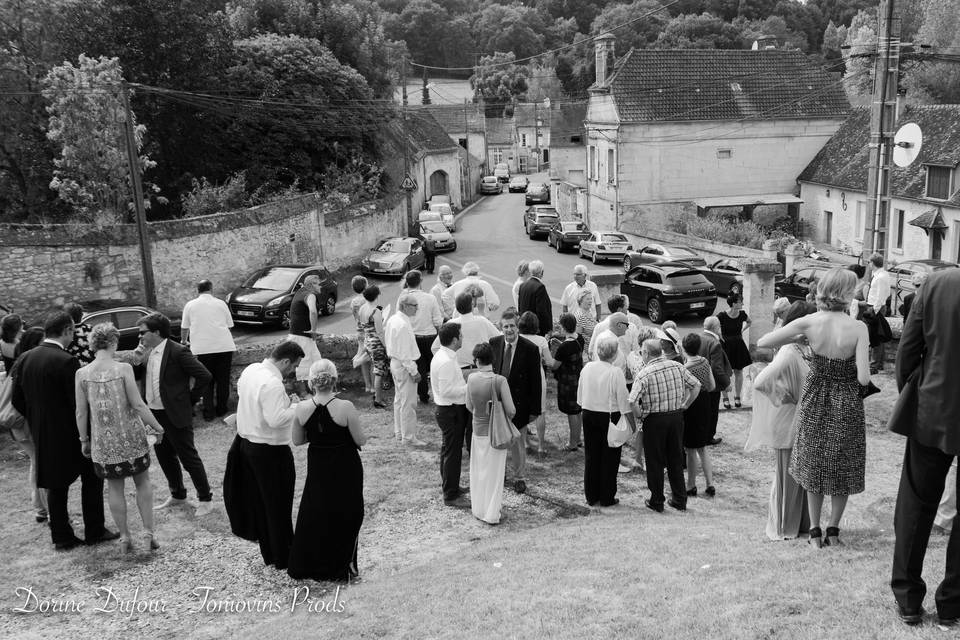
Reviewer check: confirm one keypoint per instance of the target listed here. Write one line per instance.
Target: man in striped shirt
(662, 390)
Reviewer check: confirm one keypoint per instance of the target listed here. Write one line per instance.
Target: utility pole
(536, 121)
(406, 148)
(133, 159)
(425, 92)
(882, 123)
(468, 191)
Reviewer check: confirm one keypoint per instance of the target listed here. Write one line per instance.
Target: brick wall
(46, 265)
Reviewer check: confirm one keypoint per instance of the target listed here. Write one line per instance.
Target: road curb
(467, 208)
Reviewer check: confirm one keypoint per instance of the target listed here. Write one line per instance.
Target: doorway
(936, 242)
(828, 216)
(438, 183)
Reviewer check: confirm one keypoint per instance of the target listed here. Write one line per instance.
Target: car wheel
(329, 306)
(655, 310)
(735, 288)
(595, 259)
(626, 263)
(285, 319)
(559, 246)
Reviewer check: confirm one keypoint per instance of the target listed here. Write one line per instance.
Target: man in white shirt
(205, 328)
(450, 396)
(474, 329)
(471, 273)
(877, 298)
(425, 324)
(629, 339)
(617, 326)
(444, 281)
(259, 480)
(581, 281)
(403, 353)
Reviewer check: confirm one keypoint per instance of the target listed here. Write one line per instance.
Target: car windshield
(613, 237)
(490, 179)
(276, 278)
(394, 245)
(433, 227)
(679, 278)
(680, 251)
(573, 226)
(547, 216)
(441, 208)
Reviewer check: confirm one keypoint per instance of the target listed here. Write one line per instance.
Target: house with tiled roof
(464, 124)
(671, 130)
(924, 218)
(500, 143)
(531, 121)
(568, 157)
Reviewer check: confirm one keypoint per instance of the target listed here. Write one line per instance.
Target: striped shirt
(660, 386)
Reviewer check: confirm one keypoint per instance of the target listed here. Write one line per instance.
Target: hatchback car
(502, 172)
(664, 289)
(490, 185)
(726, 275)
(798, 284)
(446, 214)
(901, 275)
(394, 256)
(435, 230)
(537, 193)
(518, 184)
(264, 296)
(567, 233)
(605, 245)
(538, 219)
(127, 320)
(662, 253)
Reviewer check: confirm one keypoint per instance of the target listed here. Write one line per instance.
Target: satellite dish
(906, 144)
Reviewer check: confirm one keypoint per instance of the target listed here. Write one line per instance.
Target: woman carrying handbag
(490, 402)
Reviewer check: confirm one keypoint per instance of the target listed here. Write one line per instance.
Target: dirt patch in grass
(554, 567)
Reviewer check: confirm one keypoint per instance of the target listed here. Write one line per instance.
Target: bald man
(711, 348)
(571, 295)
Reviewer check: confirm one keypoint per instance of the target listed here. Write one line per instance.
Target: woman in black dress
(732, 323)
(569, 355)
(331, 509)
(696, 417)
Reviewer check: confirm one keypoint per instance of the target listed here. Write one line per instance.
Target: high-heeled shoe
(711, 491)
(126, 546)
(833, 537)
(692, 492)
(726, 403)
(736, 402)
(152, 543)
(816, 537)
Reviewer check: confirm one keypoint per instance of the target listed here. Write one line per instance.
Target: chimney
(604, 48)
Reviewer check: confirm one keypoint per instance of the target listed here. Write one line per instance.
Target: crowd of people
(619, 383)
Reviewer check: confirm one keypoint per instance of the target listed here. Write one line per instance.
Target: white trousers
(404, 402)
(948, 504)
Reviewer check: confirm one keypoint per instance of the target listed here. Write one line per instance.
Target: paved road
(491, 234)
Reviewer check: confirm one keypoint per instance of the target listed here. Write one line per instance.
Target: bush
(206, 198)
(721, 229)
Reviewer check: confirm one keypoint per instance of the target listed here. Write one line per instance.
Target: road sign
(408, 184)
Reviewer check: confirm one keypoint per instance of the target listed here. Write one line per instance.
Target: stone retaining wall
(708, 249)
(339, 349)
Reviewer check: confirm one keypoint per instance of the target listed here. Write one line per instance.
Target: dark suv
(664, 289)
(796, 285)
(538, 220)
(537, 193)
(265, 295)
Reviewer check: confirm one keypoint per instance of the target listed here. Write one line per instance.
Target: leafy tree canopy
(640, 34)
(499, 85)
(704, 31)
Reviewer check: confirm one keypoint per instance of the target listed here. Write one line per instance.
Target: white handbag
(619, 433)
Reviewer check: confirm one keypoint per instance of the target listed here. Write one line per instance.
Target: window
(128, 319)
(576, 139)
(611, 168)
(497, 156)
(592, 163)
(938, 182)
(523, 139)
(462, 142)
(724, 154)
(858, 220)
(898, 216)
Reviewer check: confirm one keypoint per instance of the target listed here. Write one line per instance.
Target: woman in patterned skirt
(358, 284)
(830, 453)
(370, 317)
(107, 395)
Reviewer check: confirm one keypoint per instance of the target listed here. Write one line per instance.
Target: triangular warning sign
(408, 184)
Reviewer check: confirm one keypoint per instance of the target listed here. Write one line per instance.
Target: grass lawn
(554, 568)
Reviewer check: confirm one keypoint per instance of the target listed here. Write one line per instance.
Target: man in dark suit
(712, 349)
(928, 413)
(533, 296)
(169, 368)
(518, 360)
(44, 393)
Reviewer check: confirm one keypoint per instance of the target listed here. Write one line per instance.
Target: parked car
(662, 253)
(502, 172)
(665, 289)
(490, 184)
(446, 214)
(518, 184)
(726, 275)
(264, 296)
(436, 231)
(538, 219)
(126, 320)
(567, 233)
(902, 274)
(796, 285)
(394, 256)
(537, 192)
(605, 245)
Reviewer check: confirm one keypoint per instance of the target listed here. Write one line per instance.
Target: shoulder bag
(502, 431)
(10, 418)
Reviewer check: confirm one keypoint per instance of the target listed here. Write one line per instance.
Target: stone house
(464, 123)
(671, 131)
(433, 157)
(500, 144)
(568, 157)
(924, 219)
(531, 135)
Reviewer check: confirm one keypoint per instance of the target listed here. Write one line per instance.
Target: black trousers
(714, 402)
(453, 421)
(176, 448)
(218, 391)
(91, 498)
(921, 487)
(663, 449)
(423, 366)
(430, 259)
(600, 462)
(274, 474)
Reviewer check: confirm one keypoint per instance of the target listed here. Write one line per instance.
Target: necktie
(507, 361)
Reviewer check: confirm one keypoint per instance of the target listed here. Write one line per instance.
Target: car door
(635, 286)
(651, 253)
(590, 244)
(127, 321)
(417, 257)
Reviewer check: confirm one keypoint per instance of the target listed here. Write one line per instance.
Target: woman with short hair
(732, 323)
(569, 358)
(358, 284)
(830, 452)
(331, 509)
(121, 428)
(696, 417)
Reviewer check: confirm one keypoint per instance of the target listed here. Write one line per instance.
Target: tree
(513, 28)
(640, 34)
(937, 82)
(583, 12)
(432, 35)
(858, 78)
(86, 121)
(699, 32)
(772, 26)
(805, 18)
(543, 83)
(833, 39)
(497, 82)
